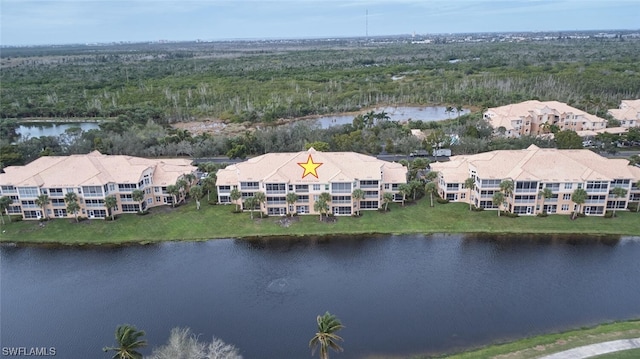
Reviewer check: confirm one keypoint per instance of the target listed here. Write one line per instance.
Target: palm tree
(321, 206)
(387, 198)
(5, 202)
(545, 193)
(326, 337)
(71, 196)
(110, 202)
(190, 178)
(369, 118)
(579, 196)
(235, 195)
(507, 187)
(174, 191)
(499, 200)
(262, 199)
(129, 340)
(618, 192)
(404, 189)
(357, 196)
(197, 193)
(42, 201)
(250, 203)
(209, 184)
(73, 207)
(182, 185)
(431, 175)
(431, 188)
(449, 111)
(469, 183)
(291, 199)
(416, 187)
(138, 196)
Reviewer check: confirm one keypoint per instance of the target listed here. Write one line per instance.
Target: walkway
(592, 350)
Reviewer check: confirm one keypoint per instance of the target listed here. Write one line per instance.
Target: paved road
(592, 350)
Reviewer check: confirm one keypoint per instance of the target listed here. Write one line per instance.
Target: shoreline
(185, 223)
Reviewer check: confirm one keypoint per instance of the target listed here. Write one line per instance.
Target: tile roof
(537, 164)
(335, 167)
(93, 169)
(629, 110)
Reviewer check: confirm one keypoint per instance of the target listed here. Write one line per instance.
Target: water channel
(38, 129)
(396, 295)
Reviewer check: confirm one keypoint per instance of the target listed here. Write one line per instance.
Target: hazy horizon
(59, 22)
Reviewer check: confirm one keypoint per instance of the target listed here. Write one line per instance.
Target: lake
(55, 129)
(396, 295)
(395, 113)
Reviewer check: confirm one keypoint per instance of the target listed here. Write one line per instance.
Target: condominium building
(532, 170)
(628, 113)
(308, 174)
(91, 177)
(535, 118)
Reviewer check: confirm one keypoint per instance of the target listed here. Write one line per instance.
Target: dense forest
(141, 89)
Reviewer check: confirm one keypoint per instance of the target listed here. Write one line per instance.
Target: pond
(396, 295)
(38, 129)
(396, 113)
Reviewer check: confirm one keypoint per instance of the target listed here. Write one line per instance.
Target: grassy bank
(538, 346)
(186, 223)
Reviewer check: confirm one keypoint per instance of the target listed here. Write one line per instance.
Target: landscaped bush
(633, 206)
(608, 214)
(15, 218)
(143, 213)
(511, 215)
(542, 214)
(442, 200)
(477, 209)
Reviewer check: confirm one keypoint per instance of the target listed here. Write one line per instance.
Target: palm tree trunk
(431, 198)
(2, 218)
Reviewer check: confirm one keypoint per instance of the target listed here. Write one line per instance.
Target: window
(94, 202)
(566, 196)
(370, 194)
(326, 187)
(276, 200)
(302, 209)
(303, 199)
(386, 186)
(126, 198)
(369, 184)
(224, 189)
(55, 192)
(27, 192)
(342, 210)
(490, 183)
(44, 191)
(29, 204)
(8, 189)
(129, 208)
(157, 198)
(149, 200)
(225, 199)
(526, 186)
(277, 211)
(568, 185)
(452, 186)
(597, 186)
(127, 187)
(316, 187)
(147, 191)
(58, 202)
(565, 207)
(92, 191)
(250, 185)
(341, 187)
(341, 199)
(276, 188)
(302, 188)
(156, 189)
(368, 204)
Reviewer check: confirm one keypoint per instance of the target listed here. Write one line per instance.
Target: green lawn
(536, 347)
(218, 221)
(625, 354)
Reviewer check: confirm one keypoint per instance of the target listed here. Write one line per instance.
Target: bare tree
(184, 344)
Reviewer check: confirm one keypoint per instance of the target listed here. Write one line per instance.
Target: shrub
(633, 206)
(143, 213)
(15, 218)
(442, 200)
(542, 214)
(511, 215)
(608, 214)
(477, 209)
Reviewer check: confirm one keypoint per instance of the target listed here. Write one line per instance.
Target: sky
(27, 22)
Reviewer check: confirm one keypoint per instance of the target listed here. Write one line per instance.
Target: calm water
(395, 294)
(425, 114)
(52, 129)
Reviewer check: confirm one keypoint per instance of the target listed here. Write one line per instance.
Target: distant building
(535, 117)
(628, 113)
(533, 169)
(91, 177)
(308, 174)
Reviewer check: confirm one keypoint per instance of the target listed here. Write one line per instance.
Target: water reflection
(397, 295)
